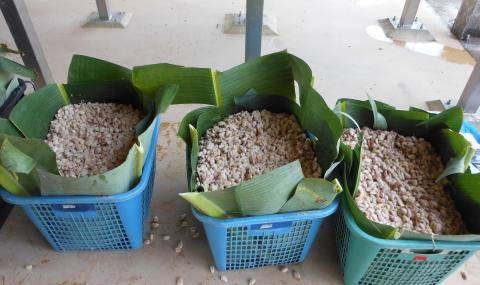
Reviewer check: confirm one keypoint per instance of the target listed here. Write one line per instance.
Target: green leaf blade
(8, 181)
(85, 69)
(267, 193)
(195, 84)
(379, 121)
(312, 194)
(216, 204)
(16, 68)
(317, 118)
(270, 74)
(7, 128)
(32, 114)
(15, 160)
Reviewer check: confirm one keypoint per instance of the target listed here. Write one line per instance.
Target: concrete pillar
(467, 21)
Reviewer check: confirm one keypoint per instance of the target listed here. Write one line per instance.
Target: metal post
(470, 99)
(409, 12)
(467, 22)
(253, 33)
(21, 27)
(103, 7)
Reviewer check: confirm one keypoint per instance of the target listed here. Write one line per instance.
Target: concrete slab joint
(467, 22)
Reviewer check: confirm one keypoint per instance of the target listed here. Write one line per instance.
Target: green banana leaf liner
(442, 131)
(467, 198)
(267, 83)
(28, 165)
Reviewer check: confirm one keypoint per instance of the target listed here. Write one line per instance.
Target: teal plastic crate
(367, 260)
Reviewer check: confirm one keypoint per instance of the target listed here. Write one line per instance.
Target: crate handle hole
(426, 251)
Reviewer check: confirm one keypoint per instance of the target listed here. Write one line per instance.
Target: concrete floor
(330, 35)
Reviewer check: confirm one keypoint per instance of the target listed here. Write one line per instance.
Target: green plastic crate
(367, 260)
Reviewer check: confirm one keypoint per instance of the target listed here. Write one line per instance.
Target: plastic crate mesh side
(343, 238)
(247, 250)
(103, 231)
(147, 196)
(395, 267)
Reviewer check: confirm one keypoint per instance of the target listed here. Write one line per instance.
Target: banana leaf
(312, 194)
(32, 114)
(36, 149)
(379, 121)
(6, 92)
(196, 85)
(10, 182)
(15, 160)
(16, 68)
(191, 120)
(6, 127)
(193, 157)
(274, 186)
(32, 117)
(17, 163)
(440, 129)
(217, 204)
(467, 197)
(265, 83)
(20, 158)
(85, 69)
(270, 74)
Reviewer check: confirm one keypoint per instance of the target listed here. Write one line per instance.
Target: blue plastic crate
(470, 128)
(367, 260)
(252, 242)
(94, 222)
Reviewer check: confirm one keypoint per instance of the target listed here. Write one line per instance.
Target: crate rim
(92, 199)
(412, 244)
(292, 216)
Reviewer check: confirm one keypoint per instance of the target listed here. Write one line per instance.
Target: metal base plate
(442, 105)
(235, 24)
(413, 33)
(117, 20)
